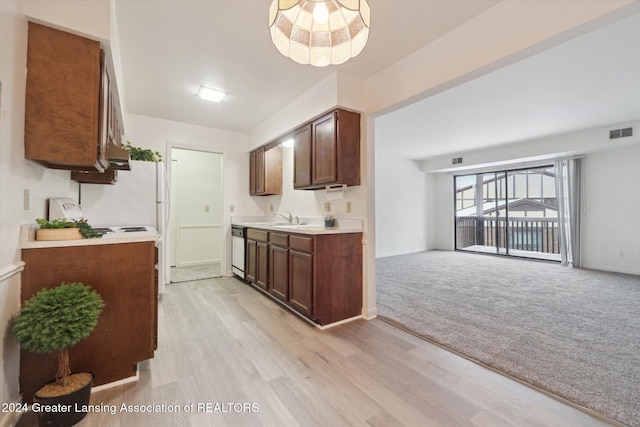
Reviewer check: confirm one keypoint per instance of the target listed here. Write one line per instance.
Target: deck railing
(527, 234)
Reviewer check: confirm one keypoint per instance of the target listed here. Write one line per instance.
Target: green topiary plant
(56, 319)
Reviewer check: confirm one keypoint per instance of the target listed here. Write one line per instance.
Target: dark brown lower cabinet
(252, 260)
(319, 276)
(301, 285)
(279, 272)
(125, 276)
(262, 273)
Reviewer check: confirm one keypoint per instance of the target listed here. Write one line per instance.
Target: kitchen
(27, 186)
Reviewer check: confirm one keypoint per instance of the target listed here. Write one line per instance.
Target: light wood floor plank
(222, 342)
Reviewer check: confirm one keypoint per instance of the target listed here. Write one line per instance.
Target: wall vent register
(620, 133)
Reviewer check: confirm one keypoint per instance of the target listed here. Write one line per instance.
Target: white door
(197, 232)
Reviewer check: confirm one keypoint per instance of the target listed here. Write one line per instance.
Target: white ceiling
(169, 48)
(589, 82)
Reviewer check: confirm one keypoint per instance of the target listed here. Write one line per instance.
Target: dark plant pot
(67, 407)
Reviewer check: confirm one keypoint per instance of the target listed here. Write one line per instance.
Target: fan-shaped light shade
(302, 31)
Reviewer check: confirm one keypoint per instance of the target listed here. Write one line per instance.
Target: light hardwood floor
(221, 341)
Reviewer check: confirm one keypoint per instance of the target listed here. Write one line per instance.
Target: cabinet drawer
(301, 243)
(279, 239)
(258, 235)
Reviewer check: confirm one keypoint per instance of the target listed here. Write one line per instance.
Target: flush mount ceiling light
(211, 94)
(319, 32)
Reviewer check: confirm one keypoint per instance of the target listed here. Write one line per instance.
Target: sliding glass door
(510, 213)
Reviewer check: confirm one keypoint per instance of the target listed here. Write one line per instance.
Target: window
(511, 213)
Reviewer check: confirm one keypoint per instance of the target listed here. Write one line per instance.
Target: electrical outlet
(270, 208)
(620, 254)
(27, 201)
(206, 208)
(327, 206)
(348, 207)
(232, 208)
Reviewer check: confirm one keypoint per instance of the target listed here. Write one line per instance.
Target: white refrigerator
(140, 197)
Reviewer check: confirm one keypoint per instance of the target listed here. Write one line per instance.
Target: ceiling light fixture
(319, 32)
(211, 94)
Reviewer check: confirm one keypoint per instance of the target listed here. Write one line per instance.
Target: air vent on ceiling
(456, 161)
(620, 133)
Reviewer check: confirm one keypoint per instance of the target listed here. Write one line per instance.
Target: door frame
(226, 219)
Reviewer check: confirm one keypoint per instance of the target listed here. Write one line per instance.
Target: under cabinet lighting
(211, 94)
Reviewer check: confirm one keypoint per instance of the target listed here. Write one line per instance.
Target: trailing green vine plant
(143, 154)
(85, 229)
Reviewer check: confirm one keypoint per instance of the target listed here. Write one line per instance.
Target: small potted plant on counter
(61, 229)
(55, 320)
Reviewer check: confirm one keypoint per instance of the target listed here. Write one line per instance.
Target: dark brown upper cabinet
(69, 101)
(327, 151)
(302, 157)
(265, 171)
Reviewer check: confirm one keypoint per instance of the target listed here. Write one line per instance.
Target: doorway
(512, 213)
(196, 225)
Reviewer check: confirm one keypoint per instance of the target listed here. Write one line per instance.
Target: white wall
(161, 135)
(611, 208)
(17, 175)
(401, 204)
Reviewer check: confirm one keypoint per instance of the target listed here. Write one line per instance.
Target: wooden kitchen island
(123, 272)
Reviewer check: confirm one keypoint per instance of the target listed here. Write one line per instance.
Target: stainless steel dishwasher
(238, 243)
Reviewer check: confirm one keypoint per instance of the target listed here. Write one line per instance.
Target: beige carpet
(573, 332)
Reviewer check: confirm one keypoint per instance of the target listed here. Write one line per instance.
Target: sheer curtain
(568, 191)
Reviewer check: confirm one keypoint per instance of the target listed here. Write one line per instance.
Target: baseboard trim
(338, 323)
(113, 384)
(9, 419)
(196, 263)
(369, 314)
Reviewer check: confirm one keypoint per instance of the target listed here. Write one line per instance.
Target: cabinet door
(301, 282)
(252, 261)
(63, 86)
(302, 157)
(324, 159)
(273, 170)
(262, 274)
(279, 272)
(103, 112)
(252, 173)
(259, 171)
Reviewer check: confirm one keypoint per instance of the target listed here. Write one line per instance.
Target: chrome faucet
(288, 218)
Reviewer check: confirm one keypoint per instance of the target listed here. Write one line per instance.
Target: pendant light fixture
(319, 32)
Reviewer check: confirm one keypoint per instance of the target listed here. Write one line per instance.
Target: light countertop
(313, 226)
(28, 239)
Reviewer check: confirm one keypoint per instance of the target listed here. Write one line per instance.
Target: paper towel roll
(335, 193)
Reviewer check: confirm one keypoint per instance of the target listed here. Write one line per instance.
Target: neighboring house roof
(513, 204)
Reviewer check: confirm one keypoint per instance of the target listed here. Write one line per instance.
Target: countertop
(314, 226)
(28, 239)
